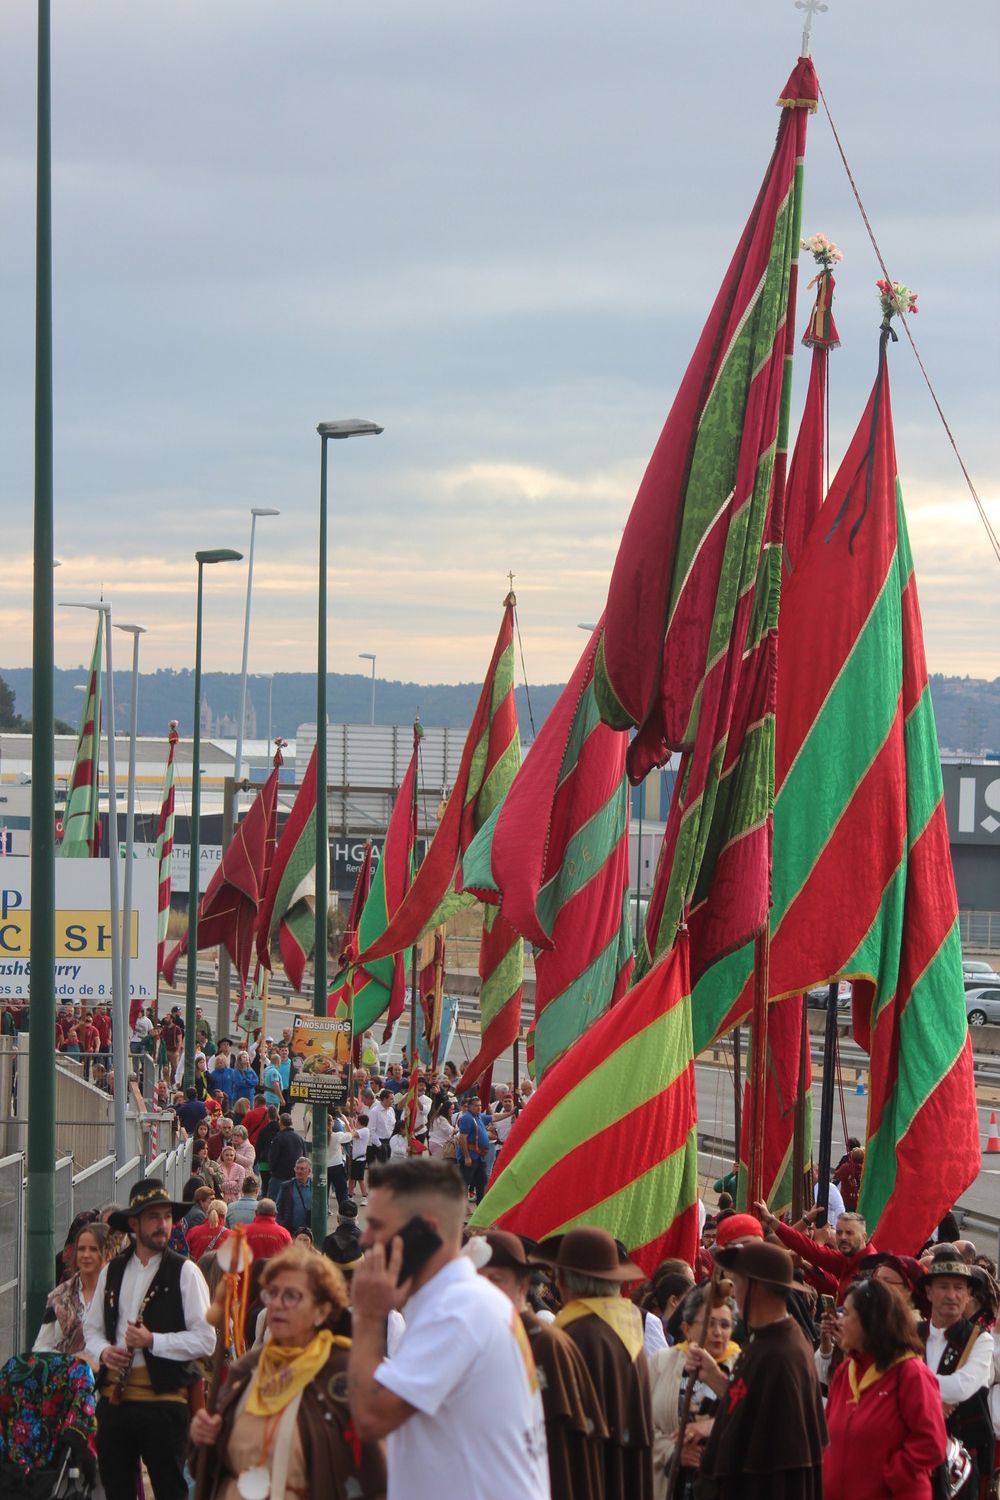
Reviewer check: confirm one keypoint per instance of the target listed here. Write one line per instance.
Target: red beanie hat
(738, 1227)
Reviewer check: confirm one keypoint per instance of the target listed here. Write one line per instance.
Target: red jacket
(201, 1236)
(842, 1268)
(253, 1120)
(885, 1444)
(266, 1237)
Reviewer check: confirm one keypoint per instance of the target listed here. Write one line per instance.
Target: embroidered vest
(163, 1313)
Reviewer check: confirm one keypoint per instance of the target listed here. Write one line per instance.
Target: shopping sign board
(321, 1060)
(83, 930)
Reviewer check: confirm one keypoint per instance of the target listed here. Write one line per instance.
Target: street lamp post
(216, 555)
(135, 631)
(370, 656)
(267, 677)
(352, 427)
(119, 1007)
(257, 510)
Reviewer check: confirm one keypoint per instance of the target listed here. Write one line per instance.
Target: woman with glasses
(283, 1418)
(884, 1411)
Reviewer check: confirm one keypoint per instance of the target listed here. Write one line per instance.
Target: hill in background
(967, 708)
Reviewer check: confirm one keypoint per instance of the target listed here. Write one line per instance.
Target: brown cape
(768, 1437)
(574, 1422)
(622, 1386)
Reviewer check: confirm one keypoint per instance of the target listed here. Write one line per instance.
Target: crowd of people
(403, 1352)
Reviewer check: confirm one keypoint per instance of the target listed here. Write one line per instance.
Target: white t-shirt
(458, 1326)
(835, 1203)
(359, 1145)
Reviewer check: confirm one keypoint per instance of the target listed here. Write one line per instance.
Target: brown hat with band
(946, 1261)
(589, 1252)
(149, 1193)
(758, 1261)
(511, 1251)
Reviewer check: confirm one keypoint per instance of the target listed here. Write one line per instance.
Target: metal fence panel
(64, 1200)
(980, 931)
(126, 1177)
(94, 1186)
(11, 1209)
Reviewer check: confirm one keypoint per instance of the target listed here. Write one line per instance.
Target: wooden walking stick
(716, 1294)
(228, 1316)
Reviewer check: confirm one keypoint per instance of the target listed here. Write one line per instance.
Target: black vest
(970, 1421)
(163, 1312)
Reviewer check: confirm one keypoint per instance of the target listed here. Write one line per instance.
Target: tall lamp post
(370, 656)
(203, 559)
(351, 427)
(119, 1007)
(41, 1200)
(269, 678)
(257, 510)
(135, 631)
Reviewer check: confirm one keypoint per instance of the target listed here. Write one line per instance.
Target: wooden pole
(803, 1101)
(826, 1104)
(758, 1068)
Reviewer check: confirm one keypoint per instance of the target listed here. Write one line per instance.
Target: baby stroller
(48, 1424)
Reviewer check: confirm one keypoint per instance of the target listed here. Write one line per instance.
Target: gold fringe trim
(812, 105)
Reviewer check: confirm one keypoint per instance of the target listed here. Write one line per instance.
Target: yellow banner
(79, 934)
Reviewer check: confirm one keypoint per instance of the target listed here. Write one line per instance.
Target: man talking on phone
(427, 1400)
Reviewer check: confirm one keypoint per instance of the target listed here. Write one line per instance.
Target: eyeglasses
(286, 1296)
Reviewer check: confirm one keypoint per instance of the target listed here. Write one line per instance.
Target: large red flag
(229, 908)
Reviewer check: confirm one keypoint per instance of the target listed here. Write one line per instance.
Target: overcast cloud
(495, 229)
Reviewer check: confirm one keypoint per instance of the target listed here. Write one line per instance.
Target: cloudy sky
(497, 230)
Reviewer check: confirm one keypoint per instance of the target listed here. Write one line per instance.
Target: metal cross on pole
(812, 8)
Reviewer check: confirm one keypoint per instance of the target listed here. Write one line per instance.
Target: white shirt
(336, 1142)
(835, 1203)
(195, 1341)
(442, 1130)
(974, 1374)
(423, 1110)
(143, 1026)
(653, 1336)
(381, 1123)
(457, 1327)
(359, 1144)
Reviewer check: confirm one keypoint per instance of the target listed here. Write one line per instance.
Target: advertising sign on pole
(321, 1060)
(83, 930)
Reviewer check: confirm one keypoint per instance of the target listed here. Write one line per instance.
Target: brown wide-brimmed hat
(149, 1193)
(755, 1259)
(512, 1251)
(589, 1252)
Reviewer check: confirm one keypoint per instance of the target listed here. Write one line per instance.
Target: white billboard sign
(83, 929)
(180, 864)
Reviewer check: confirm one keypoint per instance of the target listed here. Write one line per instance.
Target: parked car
(978, 973)
(982, 1006)
(816, 999)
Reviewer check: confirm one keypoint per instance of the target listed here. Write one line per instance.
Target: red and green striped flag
(490, 761)
(82, 818)
(378, 985)
(863, 881)
(287, 910)
(164, 856)
(785, 1061)
(555, 856)
(229, 908)
(609, 1138)
(687, 653)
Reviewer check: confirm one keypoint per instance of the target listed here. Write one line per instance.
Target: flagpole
(799, 1126)
(135, 631)
(826, 1104)
(40, 1242)
(417, 736)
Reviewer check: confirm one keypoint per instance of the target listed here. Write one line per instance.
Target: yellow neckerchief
(871, 1375)
(622, 1317)
(282, 1372)
(729, 1353)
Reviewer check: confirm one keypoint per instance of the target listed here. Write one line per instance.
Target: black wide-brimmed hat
(758, 1261)
(946, 1261)
(149, 1193)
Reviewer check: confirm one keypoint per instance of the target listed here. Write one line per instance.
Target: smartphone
(420, 1242)
(826, 1305)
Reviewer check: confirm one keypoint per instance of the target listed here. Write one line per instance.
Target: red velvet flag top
(228, 911)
